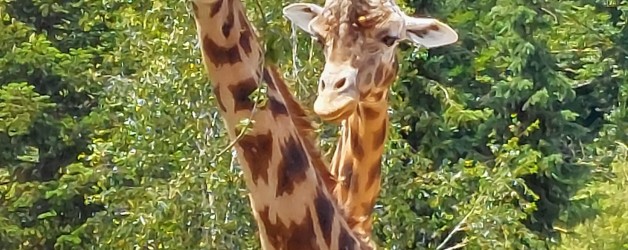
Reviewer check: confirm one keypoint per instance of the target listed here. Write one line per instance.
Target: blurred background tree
(513, 138)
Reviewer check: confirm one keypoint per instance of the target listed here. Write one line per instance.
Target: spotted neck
(287, 181)
(356, 163)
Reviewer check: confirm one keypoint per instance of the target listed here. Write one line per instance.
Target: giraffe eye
(389, 40)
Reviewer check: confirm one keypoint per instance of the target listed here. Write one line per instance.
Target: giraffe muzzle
(336, 102)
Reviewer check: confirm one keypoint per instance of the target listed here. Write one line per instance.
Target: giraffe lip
(336, 110)
(336, 117)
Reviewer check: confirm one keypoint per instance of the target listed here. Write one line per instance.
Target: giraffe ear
(429, 32)
(301, 14)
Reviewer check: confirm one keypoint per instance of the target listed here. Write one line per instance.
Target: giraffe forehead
(338, 21)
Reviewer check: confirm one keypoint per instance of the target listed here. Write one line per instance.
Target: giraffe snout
(337, 98)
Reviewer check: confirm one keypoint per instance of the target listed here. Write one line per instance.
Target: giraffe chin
(336, 115)
(337, 119)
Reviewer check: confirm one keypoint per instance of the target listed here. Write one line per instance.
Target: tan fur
(288, 181)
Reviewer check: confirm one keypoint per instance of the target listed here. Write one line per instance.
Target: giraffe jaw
(335, 109)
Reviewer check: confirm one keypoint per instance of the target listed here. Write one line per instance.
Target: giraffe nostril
(340, 84)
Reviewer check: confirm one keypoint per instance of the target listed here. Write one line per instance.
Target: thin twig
(246, 126)
(240, 135)
(459, 245)
(295, 49)
(444, 91)
(456, 229)
(550, 13)
(259, 7)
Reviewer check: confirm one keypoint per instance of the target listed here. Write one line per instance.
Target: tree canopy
(515, 137)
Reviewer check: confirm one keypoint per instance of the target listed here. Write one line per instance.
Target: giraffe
(287, 179)
(358, 39)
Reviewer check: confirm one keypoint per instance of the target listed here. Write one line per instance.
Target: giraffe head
(359, 38)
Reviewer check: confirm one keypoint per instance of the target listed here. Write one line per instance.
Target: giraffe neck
(357, 161)
(357, 164)
(285, 176)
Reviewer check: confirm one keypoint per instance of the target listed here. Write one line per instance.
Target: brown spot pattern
(422, 32)
(356, 146)
(293, 236)
(228, 24)
(380, 135)
(257, 151)
(325, 213)
(370, 113)
(215, 8)
(241, 92)
(292, 167)
(258, 148)
(219, 55)
(276, 107)
(221, 104)
(375, 173)
(245, 42)
(303, 124)
(346, 241)
(246, 35)
(354, 184)
(269, 80)
(303, 236)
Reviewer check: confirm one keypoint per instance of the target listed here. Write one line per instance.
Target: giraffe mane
(304, 126)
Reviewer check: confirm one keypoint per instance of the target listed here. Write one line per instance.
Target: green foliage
(606, 227)
(515, 67)
(20, 107)
(513, 138)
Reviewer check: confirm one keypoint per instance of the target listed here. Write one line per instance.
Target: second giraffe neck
(357, 163)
